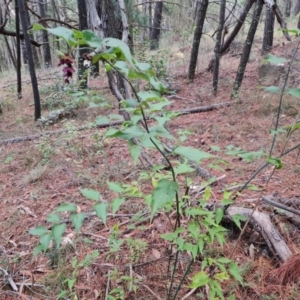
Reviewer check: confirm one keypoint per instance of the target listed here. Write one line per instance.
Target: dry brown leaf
(156, 253)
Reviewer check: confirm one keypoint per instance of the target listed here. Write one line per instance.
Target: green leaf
(115, 187)
(274, 59)
(38, 249)
(219, 215)
(149, 95)
(237, 220)
(45, 241)
(235, 272)
(90, 194)
(163, 193)
(101, 211)
(126, 134)
(224, 260)
(294, 92)
(63, 32)
(77, 220)
(40, 230)
(91, 39)
(116, 43)
(135, 152)
(66, 207)
(183, 168)
(272, 89)
(215, 148)
(54, 218)
(102, 120)
(143, 66)
(57, 232)
(116, 203)
(275, 162)
(193, 249)
(200, 279)
(191, 153)
(115, 117)
(37, 26)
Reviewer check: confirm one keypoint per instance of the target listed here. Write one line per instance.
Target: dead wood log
(261, 222)
(105, 125)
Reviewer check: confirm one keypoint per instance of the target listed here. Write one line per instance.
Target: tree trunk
(155, 30)
(197, 38)
(247, 48)
(296, 8)
(240, 22)
(34, 51)
(287, 11)
(268, 31)
(83, 25)
(34, 83)
(18, 46)
(150, 18)
(46, 47)
(218, 45)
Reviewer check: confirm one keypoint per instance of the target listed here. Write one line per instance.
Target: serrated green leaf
(275, 162)
(219, 215)
(149, 95)
(91, 39)
(45, 241)
(215, 148)
(116, 43)
(237, 219)
(192, 153)
(77, 220)
(53, 218)
(90, 194)
(163, 193)
(116, 203)
(37, 26)
(101, 211)
(40, 230)
(135, 152)
(224, 260)
(57, 232)
(126, 134)
(66, 207)
(183, 168)
(235, 272)
(115, 187)
(200, 279)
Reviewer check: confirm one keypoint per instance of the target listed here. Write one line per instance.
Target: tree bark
(247, 48)
(83, 25)
(268, 31)
(218, 46)
(18, 46)
(155, 30)
(34, 83)
(287, 10)
(46, 47)
(197, 38)
(296, 8)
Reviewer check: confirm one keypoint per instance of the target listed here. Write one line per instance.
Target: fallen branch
(105, 125)
(261, 222)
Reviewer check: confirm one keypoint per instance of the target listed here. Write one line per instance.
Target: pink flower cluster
(68, 70)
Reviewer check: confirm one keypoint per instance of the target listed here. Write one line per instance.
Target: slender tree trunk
(218, 45)
(296, 8)
(155, 30)
(46, 46)
(34, 51)
(197, 38)
(83, 25)
(150, 18)
(287, 11)
(34, 83)
(238, 26)
(13, 60)
(268, 31)
(247, 48)
(18, 46)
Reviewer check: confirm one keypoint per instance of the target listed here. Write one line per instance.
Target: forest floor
(37, 176)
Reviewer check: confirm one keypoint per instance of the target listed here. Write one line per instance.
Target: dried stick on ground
(261, 222)
(105, 125)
